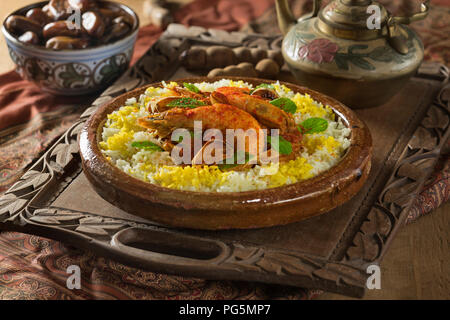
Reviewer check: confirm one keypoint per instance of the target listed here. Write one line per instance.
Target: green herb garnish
(180, 139)
(146, 145)
(191, 87)
(283, 146)
(313, 125)
(223, 165)
(266, 86)
(263, 85)
(186, 103)
(285, 104)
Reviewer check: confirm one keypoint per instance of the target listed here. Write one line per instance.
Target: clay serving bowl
(208, 210)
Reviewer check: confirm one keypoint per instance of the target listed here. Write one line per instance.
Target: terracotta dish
(228, 210)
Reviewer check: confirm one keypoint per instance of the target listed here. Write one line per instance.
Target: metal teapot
(352, 50)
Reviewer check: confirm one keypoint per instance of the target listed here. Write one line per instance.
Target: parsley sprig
(186, 103)
(191, 87)
(146, 145)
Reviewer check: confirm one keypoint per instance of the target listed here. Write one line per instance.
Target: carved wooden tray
(330, 252)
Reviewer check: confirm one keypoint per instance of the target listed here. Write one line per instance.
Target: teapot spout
(285, 17)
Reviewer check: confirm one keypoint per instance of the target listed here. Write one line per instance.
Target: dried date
(59, 9)
(93, 24)
(60, 28)
(62, 42)
(29, 37)
(19, 25)
(38, 15)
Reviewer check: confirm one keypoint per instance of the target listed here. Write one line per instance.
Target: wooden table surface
(417, 265)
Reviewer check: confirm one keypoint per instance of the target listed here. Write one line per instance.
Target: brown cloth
(33, 267)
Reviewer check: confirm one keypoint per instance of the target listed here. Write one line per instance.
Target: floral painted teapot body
(352, 50)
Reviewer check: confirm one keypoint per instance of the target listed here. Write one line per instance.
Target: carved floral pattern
(391, 209)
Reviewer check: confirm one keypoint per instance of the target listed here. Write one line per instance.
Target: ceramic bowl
(212, 210)
(72, 72)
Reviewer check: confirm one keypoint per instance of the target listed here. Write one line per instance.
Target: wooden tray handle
(162, 247)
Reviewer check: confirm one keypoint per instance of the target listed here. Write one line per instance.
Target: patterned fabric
(436, 190)
(33, 267)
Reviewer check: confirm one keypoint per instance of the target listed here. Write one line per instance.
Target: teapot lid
(350, 19)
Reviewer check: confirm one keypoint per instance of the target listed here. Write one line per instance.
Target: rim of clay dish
(69, 52)
(354, 164)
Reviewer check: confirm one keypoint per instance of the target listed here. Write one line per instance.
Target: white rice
(157, 167)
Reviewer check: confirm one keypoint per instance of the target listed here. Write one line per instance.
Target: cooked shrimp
(161, 104)
(266, 113)
(217, 116)
(183, 92)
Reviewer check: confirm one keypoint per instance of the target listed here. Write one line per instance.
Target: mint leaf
(146, 145)
(283, 146)
(186, 103)
(285, 104)
(313, 125)
(191, 87)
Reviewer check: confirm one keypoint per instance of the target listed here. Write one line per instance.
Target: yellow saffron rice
(321, 150)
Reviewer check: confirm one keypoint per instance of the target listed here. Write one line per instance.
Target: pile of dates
(57, 26)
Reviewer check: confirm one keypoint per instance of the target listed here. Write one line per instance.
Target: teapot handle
(422, 14)
(286, 19)
(315, 10)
